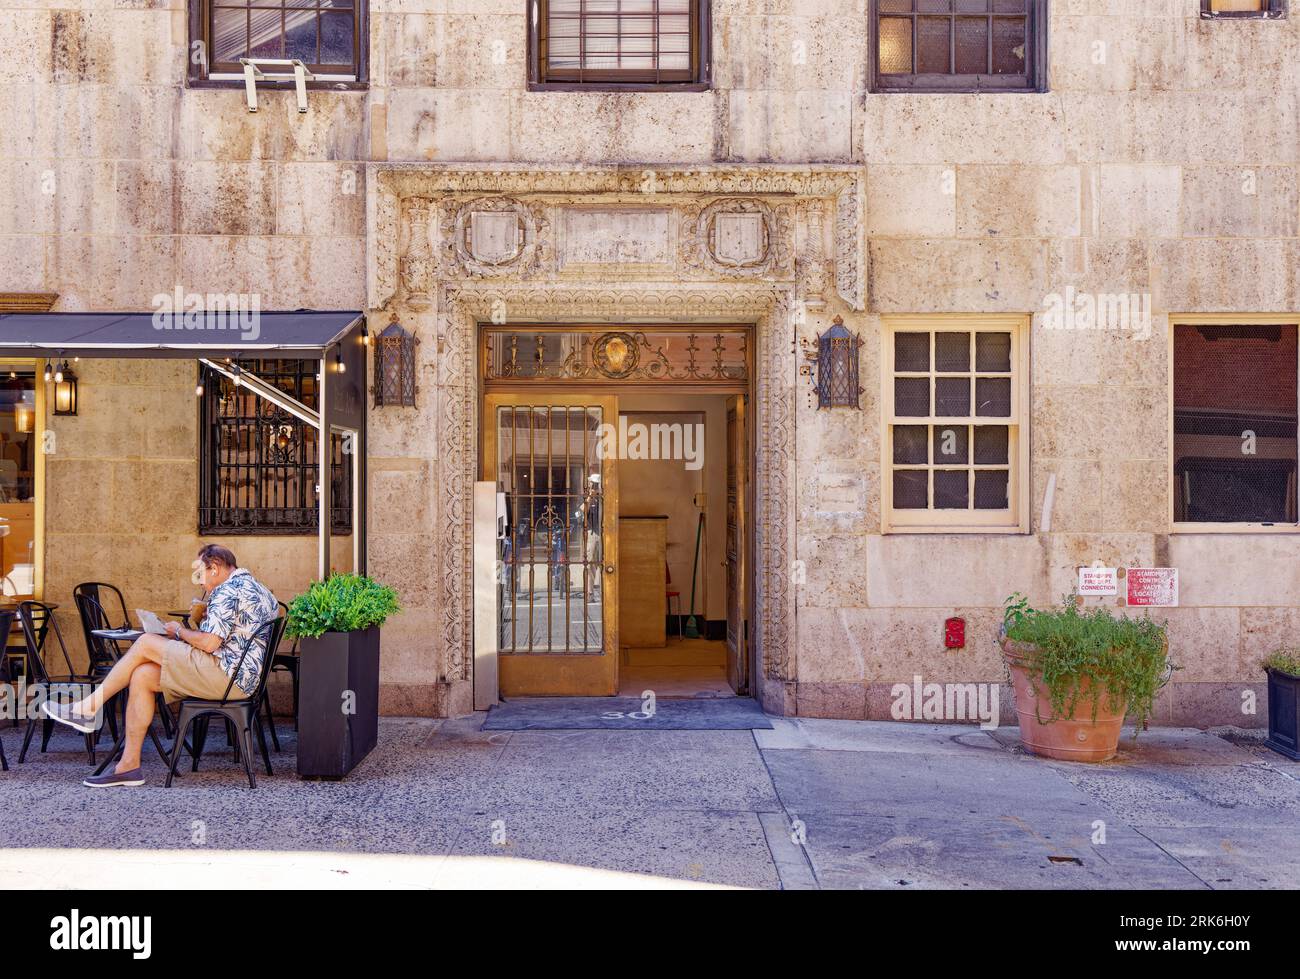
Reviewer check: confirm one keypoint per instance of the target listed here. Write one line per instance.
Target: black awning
(304, 334)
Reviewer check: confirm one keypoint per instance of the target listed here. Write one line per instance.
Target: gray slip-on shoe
(63, 714)
(110, 779)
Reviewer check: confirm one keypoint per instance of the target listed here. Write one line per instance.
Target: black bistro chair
(30, 614)
(104, 653)
(245, 714)
(288, 662)
(6, 624)
(96, 601)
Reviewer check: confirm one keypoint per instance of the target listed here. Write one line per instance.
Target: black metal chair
(37, 672)
(93, 602)
(288, 662)
(104, 653)
(245, 713)
(6, 624)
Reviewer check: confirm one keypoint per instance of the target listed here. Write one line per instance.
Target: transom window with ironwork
(610, 43)
(258, 464)
(712, 356)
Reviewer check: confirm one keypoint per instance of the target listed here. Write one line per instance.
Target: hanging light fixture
(24, 410)
(339, 366)
(65, 391)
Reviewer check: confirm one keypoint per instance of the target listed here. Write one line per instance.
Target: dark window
(1272, 9)
(258, 463)
(619, 43)
(1235, 434)
(328, 36)
(959, 45)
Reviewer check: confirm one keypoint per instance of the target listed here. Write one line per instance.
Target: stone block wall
(117, 182)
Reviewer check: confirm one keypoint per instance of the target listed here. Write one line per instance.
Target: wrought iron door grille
(550, 588)
(258, 464)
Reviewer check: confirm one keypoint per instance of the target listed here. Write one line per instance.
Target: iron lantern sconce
(395, 367)
(835, 355)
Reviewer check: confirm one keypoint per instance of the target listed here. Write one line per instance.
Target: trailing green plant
(1285, 660)
(1126, 658)
(341, 603)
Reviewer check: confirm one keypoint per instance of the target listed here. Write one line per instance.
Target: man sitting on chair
(184, 663)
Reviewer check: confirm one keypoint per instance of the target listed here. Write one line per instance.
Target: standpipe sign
(1152, 587)
(1143, 587)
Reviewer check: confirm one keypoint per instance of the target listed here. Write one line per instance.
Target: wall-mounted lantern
(65, 390)
(836, 357)
(395, 367)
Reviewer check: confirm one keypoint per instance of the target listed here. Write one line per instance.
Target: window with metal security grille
(328, 36)
(1270, 9)
(956, 447)
(619, 43)
(258, 464)
(959, 45)
(1235, 437)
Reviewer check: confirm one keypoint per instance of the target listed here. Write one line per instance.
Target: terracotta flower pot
(1079, 737)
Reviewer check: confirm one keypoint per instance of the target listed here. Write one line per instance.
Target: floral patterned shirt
(237, 608)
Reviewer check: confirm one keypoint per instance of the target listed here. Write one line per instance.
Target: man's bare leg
(146, 682)
(148, 649)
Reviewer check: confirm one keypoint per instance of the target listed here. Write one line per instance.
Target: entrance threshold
(626, 714)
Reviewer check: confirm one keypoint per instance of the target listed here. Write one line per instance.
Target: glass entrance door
(557, 558)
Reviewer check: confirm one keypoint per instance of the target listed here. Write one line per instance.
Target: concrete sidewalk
(810, 803)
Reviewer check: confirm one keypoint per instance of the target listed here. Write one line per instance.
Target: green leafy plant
(1285, 660)
(1071, 650)
(341, 603)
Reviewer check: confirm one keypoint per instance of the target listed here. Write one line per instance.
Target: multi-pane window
(1235, 428)
(619, 42)
(1243, 8)
(959, 45)
(326, 35)
(955, 425)
(258, 464)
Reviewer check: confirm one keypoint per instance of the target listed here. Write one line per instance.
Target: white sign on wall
(1098, 581)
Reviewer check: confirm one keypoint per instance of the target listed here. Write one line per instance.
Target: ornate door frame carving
(417, 273)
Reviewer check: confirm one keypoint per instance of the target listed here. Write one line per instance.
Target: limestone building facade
(1106, 214)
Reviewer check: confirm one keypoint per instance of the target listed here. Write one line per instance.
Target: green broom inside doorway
(692, 630)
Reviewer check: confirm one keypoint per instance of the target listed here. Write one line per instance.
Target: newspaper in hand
(150, 622)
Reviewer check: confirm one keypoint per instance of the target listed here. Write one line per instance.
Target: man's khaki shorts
(190, 672)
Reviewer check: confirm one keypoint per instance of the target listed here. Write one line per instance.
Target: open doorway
(678, 505)
(621, 463)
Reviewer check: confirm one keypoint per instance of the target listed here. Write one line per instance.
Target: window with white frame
(1236, 394)
(956, 448)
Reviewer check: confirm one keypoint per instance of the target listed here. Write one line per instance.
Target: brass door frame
(592, 392)
(566, 674)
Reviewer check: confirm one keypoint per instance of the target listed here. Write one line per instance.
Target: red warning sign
(1152, 587)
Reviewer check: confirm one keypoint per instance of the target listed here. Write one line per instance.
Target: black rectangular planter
(335, 730)
(1284, 714)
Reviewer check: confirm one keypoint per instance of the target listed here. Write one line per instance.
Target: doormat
(625, 714)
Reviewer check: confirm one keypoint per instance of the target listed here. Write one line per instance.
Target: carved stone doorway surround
(455, 246)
